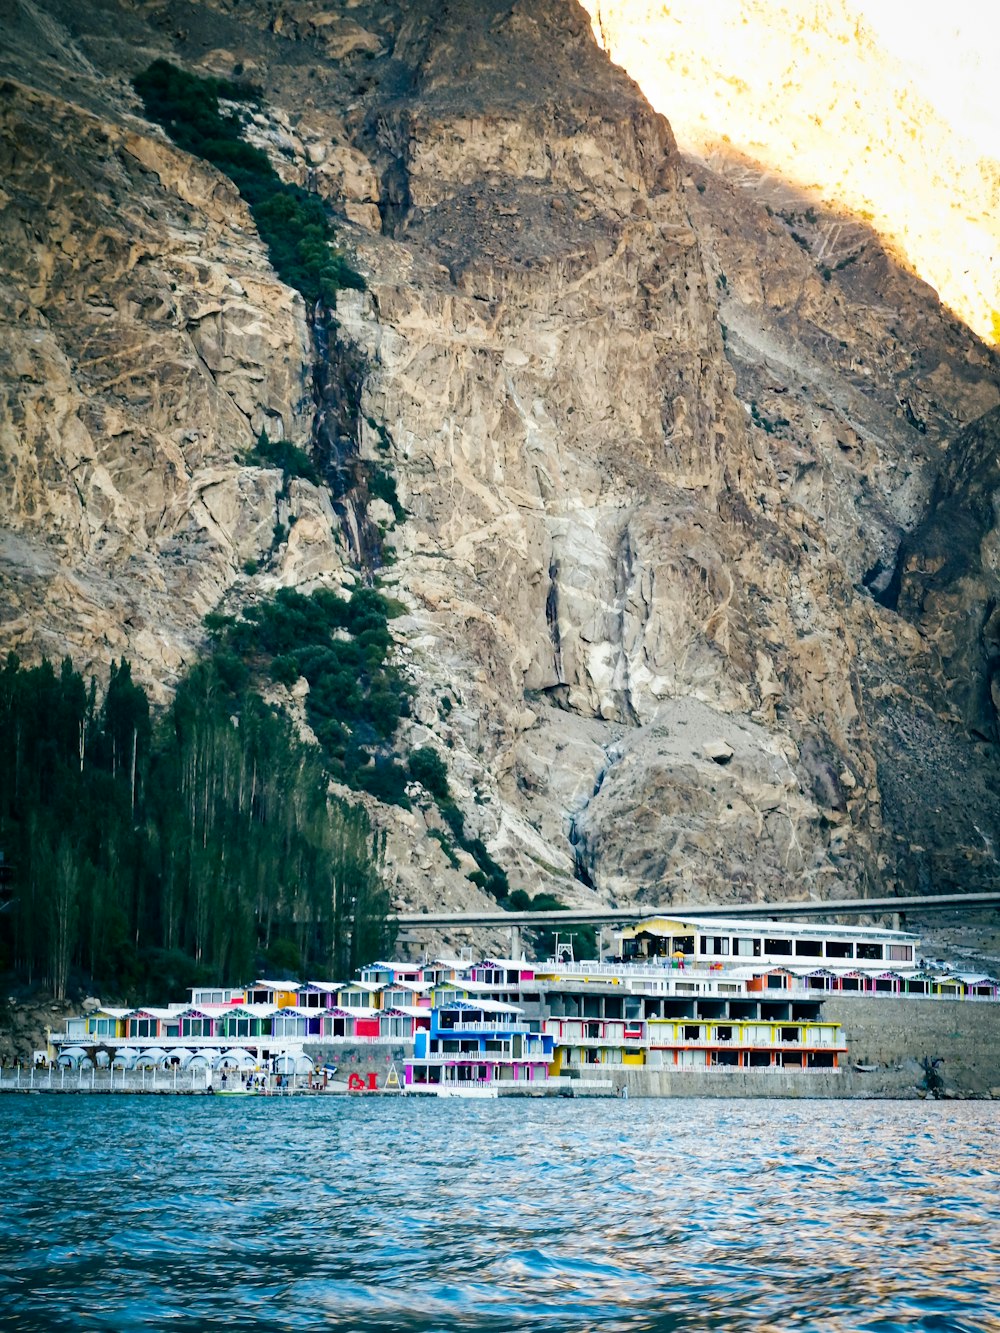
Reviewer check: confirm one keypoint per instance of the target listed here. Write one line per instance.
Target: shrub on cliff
(292, 223)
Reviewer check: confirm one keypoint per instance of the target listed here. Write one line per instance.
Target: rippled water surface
(341, 1213)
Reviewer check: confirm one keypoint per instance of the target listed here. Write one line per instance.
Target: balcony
(515, 1025)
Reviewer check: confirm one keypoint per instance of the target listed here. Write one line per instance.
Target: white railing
(515, 1026)
(59, 1078)
(491, 1058)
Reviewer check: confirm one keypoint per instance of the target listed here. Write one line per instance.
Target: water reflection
(153, 1213)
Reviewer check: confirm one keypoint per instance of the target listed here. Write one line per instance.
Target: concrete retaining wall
(896, 1035)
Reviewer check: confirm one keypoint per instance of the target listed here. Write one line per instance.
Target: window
(899, 953)
(724, 1033)
(776, 983)
(809, 948)
(743, 948)
(839, 949)
(776, 945)
(692, 1032)
(872, 952)
(731, 1058)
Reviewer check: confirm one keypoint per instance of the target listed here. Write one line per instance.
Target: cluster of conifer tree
(146, 856)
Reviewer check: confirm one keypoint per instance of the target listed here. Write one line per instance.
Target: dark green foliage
(384, 779)
(584, 940)
(284, 960)
(765, 423)
(446, 846)
(454, 818)
(800, 240)
(382, 485)
(293, 461)
(292, 223)
(584, 937)
(429, 769)
(520, 901)
(495, 882)
(342, 646)
(148, 859)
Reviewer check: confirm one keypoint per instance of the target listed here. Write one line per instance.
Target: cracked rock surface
(682, 612)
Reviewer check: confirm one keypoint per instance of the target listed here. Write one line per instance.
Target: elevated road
(623, 916)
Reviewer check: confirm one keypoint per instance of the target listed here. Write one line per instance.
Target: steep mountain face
(685, 615)
(804, 90)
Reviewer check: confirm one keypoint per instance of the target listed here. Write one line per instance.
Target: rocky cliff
(687, 614)
(808, 91)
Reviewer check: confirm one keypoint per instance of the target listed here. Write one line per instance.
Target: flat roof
(740, 925)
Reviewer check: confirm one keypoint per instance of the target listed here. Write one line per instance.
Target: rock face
(804, 90)
(658, 465)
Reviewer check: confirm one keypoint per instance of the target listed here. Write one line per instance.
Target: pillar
(515, 942)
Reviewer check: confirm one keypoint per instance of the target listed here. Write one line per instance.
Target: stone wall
(897, 1034)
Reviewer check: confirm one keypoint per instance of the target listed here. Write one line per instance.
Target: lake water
(340, 1213)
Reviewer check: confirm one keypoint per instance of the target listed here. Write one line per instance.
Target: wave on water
(345, 1214)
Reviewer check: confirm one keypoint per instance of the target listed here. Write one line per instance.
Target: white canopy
(293, 1064)
(236, 1059)
(149, 1059)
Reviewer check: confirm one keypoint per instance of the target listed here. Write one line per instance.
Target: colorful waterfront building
(478, 1044)
(730, 942)
(509, 1025)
